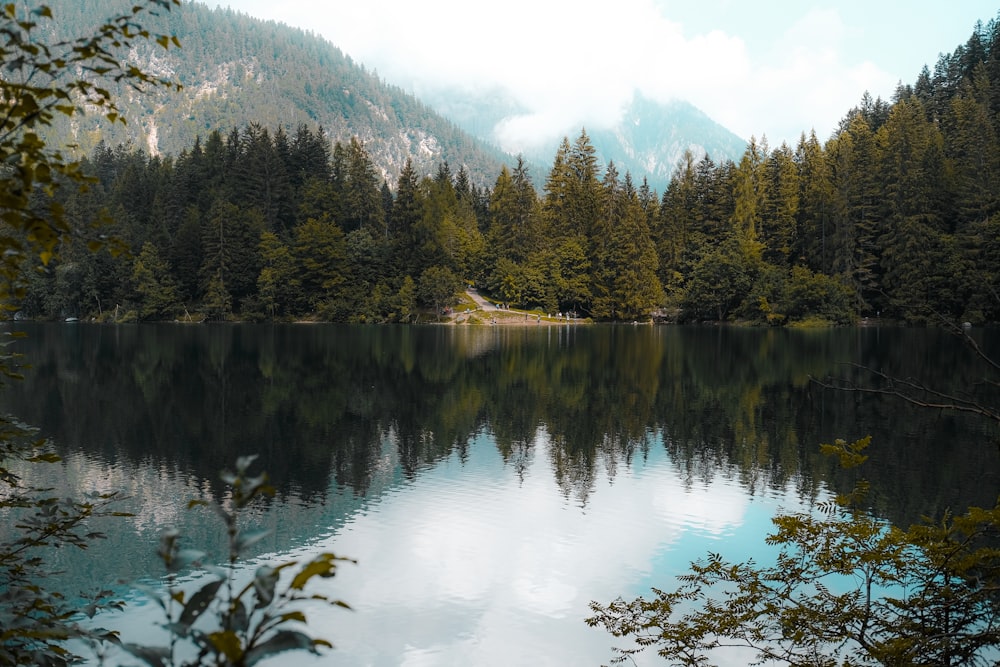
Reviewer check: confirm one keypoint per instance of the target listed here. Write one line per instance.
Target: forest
(895, 216)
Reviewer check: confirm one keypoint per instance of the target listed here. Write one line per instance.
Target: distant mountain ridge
(648, 141)
(651, 139)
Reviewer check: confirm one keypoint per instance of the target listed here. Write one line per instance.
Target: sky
(774, 68)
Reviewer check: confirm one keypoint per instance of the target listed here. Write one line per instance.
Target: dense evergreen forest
(895, 216)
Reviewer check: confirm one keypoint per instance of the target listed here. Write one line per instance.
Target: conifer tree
(781, 207)
(319, 250)
(676, 230)
(362, 197)
(155, 286)
(277, 283)
(230, 249)
(406, 212)
(816, 204)
(853, 244)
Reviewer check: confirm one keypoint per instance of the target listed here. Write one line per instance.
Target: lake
(489, 481)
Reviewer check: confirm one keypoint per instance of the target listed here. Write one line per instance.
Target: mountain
(652, 137)
(648, 140)
(236, 69)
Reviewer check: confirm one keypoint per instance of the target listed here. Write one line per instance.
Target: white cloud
(510, 558)
(777, 69)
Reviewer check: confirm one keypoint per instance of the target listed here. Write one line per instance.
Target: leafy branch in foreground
(35, 621)
(845, 589)
(38, 82)
(225, 622)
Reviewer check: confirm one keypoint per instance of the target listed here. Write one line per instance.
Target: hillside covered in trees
(895, 216)
(236, 69)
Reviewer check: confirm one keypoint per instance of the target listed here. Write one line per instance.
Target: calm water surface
(490, 482)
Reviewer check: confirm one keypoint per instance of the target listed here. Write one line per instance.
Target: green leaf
(284, 640)
(264, 583)
(199, 603)
(324, 565)
(227, 643)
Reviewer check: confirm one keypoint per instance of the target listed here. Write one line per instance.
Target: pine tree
(231, 255)
(362, 197)
(277, 283)
(632, 258)
(854, 242)
(781, 207)
(974, 149)
(154, 284)
(676, 226)
(816, 204)
(513, 231)
(260, 178)
(407, 210)
(320, 254)
(751, 193)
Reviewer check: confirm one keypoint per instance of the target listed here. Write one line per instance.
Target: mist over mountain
(648, 140)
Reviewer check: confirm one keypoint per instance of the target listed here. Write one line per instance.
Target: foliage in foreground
(35, 622)
(845, 589)
(43, 79)
(225, 622)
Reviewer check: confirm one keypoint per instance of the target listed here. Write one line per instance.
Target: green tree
(186, 253)
(851, 245)
(438, 288)
(781, 207)
(568, 213)
(230, 251)
(276, 283)
(405, 301)
(362, 196)
(973, 147)
(407, 210)
(154, 284)
(751, 194)
(260, 179)
(675, 226)
(320, 252)
(817, 294)
(218, 303)
(717, 285)
(513, 231)
(815, 204)
(625, 283)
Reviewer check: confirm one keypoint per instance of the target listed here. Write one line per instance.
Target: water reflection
(467, 565)
(490, 481)
(317, 402)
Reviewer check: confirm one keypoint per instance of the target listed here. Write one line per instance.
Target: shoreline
(504, 318)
